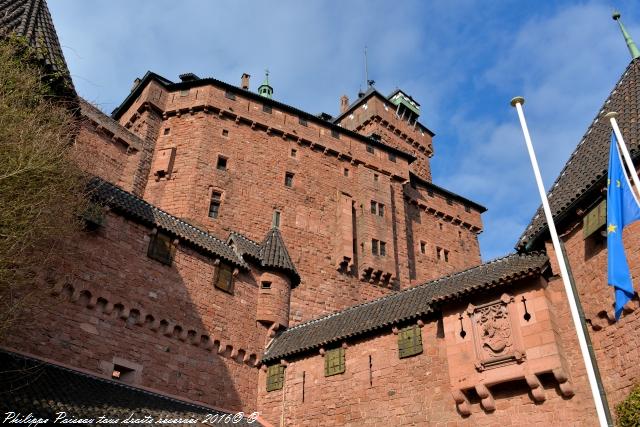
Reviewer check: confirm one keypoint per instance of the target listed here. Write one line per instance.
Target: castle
(250, 256)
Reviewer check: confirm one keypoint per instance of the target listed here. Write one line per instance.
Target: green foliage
(628, 410)
(41, 184)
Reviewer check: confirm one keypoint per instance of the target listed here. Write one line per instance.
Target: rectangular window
(370, 149)
(230, 95)
(184, 92)
(335, 134)
(334, 362)
(392, 157)
(294, 152)
(224, 277)
(302, 121)
(222, 163)
(288, 179)
(166, 131)
(375, 177)
(409, 342)
(225, 132)
(161, 248)
(374, 207)
(383, 249)
(446, 255)
(346, 172)
(275, 377)
(467, 209)
(275, 222)
(449, 202)
(265, 285)
(430, 193)
(122, 373)
(423, 247)
(214, 205)
(439, 253)
(374, 246)
(380, 209)
(266, 108)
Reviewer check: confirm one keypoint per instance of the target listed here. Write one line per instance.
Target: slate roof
(30, 386)
(141, 211)
(408, 304)
(118, 131)
(31, 19)
(586, 169)
(271, 254)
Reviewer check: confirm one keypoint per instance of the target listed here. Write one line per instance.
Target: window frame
(223, 268)
(334, 362)
(275, 377)
(163, 256)
(410, 341)
(215, 201)
(288, 179)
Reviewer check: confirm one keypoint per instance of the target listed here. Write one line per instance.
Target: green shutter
(595, 219)
(409, 341)
(275, 377)
(334, 362)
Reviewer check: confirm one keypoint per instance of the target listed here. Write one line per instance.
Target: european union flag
(622, 209)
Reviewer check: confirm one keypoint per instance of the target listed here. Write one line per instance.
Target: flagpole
(623, 148)
(571, 296)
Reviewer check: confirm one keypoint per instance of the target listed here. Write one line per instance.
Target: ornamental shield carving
(495, 334)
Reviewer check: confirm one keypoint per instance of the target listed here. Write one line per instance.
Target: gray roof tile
(404, 305)
(586, 168)
(141, 211)
(31, 386)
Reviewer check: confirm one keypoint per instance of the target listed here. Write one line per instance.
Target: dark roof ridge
(457, 196)
(413, 288)
(211, 80)
(98, 185)
(537, 226)
(399, 307)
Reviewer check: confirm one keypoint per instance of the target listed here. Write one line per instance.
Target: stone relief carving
(493, 334)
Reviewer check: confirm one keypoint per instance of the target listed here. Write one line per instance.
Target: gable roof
(134, 207)
(31, 19)
(271, 254)
(586, 169)
(31, 386)
(408, 304)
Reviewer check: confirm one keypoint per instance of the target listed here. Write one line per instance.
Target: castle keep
(250, 256)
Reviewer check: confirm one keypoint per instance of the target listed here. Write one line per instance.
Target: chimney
(344, 103)
(245, 81)
(136, 82)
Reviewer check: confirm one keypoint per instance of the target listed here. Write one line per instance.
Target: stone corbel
(536, 388)
(563, 381)
(462, 403)
(488, 403)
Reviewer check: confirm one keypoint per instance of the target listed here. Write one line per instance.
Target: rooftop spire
(265, 89)
(633, 49)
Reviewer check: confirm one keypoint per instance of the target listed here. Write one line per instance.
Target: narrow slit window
(374, 207)
(222, 163)
(383, 249)
(423, 247)
(375, 177)
(294, 153)
(446, 255)
(380, 210)
(288, 179)
(374, 246)
(275, 221)
(346, 172)
(214, 205)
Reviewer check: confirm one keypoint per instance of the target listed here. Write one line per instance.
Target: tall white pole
(517, 103)
(623, 148)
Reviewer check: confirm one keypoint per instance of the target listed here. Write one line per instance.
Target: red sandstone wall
(202, 124)
(616, 344)
(416, 390)
(189, 338)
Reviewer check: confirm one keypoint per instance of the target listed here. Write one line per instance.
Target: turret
(265, 89)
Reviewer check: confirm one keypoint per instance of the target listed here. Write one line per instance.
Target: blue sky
(463, 60)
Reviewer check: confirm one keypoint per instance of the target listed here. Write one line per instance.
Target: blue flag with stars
(622, 209)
